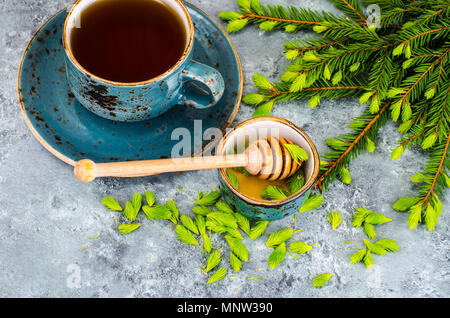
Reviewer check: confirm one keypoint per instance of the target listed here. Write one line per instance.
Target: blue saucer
(71, 132)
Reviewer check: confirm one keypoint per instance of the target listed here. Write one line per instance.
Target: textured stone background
(46, 216)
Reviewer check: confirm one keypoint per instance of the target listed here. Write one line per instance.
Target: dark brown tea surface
(128, 40)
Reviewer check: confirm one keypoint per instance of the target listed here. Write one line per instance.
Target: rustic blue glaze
(140, 102)
(260, 211)
(71, 132)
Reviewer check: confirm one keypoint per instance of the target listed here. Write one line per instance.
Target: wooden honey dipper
(266, 158)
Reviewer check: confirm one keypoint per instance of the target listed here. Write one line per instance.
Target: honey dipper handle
(86, 170)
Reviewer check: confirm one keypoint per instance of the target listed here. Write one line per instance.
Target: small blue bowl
(262, 209)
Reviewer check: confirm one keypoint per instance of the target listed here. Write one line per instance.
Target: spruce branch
(392, 17)
(312, 44)
(281, 92)
(432, 15)
(400, 69)
(422, 35)
(413, 87)
(352, 8)
(435, 187)
(381, 78)
(426, 205)
(386, 5)
(398, 14)
(269, 18)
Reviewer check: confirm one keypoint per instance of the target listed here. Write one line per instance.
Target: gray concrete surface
(46, 216)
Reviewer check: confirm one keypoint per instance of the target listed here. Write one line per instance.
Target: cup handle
(209, 78)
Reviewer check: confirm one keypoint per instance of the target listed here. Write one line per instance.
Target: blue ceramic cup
(254, 129)
(129, 102)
